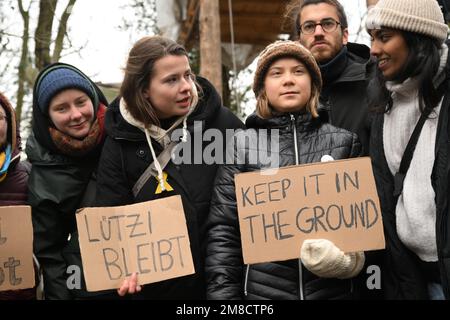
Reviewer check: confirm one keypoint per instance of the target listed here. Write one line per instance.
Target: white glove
(325, 260)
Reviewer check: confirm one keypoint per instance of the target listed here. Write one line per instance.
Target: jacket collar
(333, 69)
(206, 111)
(360, 65)
(303, 122)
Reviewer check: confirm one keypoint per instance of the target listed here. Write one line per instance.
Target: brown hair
(138, 72)
(294, 8)
(10, 121)
(265, 111)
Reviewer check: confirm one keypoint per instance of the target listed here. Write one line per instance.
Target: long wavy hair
(139, 71)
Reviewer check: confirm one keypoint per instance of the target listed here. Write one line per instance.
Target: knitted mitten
(324, 259)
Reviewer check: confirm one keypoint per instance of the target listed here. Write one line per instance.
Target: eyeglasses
(328, 25)
(3, 117)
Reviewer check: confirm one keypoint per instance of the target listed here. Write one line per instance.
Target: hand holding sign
(129, 286)
(334, 200)
(148, 238)
(324, 259)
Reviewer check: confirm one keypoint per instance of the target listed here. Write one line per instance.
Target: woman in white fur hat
(412, 169)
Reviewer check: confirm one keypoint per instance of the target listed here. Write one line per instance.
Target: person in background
(13, 179)
(64, 147)
(409, 145)
(287, 85)
(160, 102)
(346, 67)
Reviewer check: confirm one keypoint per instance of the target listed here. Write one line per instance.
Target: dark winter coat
(125, 157)
(14, 189)
(227, 277)
(401, 274)
(344, 94)
(58, 186)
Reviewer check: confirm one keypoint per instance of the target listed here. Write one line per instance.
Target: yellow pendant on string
(167, 186)
(2, 161)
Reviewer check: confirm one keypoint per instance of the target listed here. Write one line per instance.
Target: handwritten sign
(16, 248)
(334, 200)
(150, 238)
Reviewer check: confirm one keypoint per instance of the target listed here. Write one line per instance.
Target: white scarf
(416, 208)
(157, 133)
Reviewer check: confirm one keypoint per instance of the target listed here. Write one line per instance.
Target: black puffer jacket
(126, 155)
(227, 277)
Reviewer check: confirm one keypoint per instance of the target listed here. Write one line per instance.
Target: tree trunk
(43, 34)
(210, 43)
(59, 42)
(23, 61)
(226, 91)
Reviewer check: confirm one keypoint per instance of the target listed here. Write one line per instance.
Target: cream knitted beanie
(419, 16)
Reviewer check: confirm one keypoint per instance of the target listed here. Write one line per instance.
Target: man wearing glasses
(321, 26)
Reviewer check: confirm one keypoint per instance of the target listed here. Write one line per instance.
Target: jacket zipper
(246, 280)
(297, 162)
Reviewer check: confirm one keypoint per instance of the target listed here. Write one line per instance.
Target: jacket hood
(358, 50)
(207, 108)
(41, 122)
(360, 63)
(13, 134)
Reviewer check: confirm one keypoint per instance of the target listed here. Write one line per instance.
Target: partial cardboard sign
(334, 200)
(16, 248)
(150, 238)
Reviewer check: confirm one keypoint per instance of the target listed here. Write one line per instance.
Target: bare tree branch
(23, 59)
(43, 33)
(62, 31)
(4, 33)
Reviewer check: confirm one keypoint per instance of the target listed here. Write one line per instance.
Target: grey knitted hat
(419, 16)
(280, 49)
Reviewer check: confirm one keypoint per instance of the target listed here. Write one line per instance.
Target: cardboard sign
(150, 238)
(16, 248)
(334, 200)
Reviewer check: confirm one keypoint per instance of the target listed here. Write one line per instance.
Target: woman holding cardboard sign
(163, 105)
(287, 84)
(410, 145)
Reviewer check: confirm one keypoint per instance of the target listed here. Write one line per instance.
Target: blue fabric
(435, 291)
(60, 79)
(7, 162)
